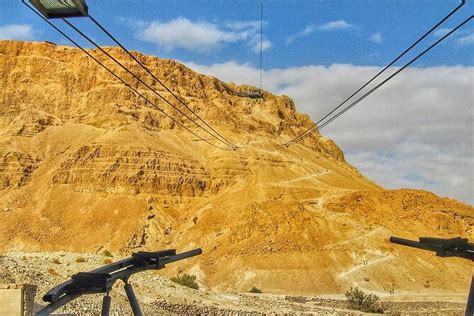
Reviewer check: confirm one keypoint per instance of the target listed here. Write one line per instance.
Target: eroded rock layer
(87, 166)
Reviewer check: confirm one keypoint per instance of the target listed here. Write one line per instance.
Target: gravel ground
(159, 295)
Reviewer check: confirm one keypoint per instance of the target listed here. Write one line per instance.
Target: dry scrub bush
(53, 272)
(186, 280)
(255, 290)
(358, 300)
(107, 253)
(107, 261)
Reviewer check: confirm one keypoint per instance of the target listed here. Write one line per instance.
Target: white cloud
(310, 29)
(254, 43)
(442, 32)
(132, 22)
(199, 36)
(17, 32)
(461, 37)
(465, 40)
(243, 25)
(416, 131)
(266, 44)
(335, 25)
(376, 38)
(183, 33)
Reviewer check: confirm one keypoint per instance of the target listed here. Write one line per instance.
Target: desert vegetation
(358, 300)
(188, 280)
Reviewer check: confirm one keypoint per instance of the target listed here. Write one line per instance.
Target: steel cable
(158, 80)
(142, 82)
(119, 78)
(396, 73)
(309, 130)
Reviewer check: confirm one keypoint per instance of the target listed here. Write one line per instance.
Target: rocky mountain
(87, 166)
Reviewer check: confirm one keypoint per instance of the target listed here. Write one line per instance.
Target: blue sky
(324, 32)
(417, 131)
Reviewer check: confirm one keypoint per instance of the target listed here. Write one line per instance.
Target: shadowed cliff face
(86, 165)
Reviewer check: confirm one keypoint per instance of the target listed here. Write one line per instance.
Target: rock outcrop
(88, 166)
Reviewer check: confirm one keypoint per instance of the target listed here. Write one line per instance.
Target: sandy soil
(87, 166)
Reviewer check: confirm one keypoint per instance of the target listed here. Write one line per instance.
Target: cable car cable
(396, 73)
(302, 135)
(158, 80)
(118, 77)
(141, 81)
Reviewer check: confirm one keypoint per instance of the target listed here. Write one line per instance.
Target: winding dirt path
(362, 266)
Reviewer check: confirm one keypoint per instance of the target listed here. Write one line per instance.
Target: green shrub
(107, 253)
(255, 290)
(188, 280)
(358, 300)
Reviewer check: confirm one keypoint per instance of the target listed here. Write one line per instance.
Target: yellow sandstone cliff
(86, 165)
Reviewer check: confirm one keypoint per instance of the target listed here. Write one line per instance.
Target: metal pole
(51, 307)
(132, 299)
(470, 299)
(106, 305)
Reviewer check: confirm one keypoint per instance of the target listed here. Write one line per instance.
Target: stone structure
(17, 299)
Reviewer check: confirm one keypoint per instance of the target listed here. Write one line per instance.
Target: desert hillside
(87, 166)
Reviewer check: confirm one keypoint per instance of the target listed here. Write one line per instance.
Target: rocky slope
(87, 166)
(160, 296)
